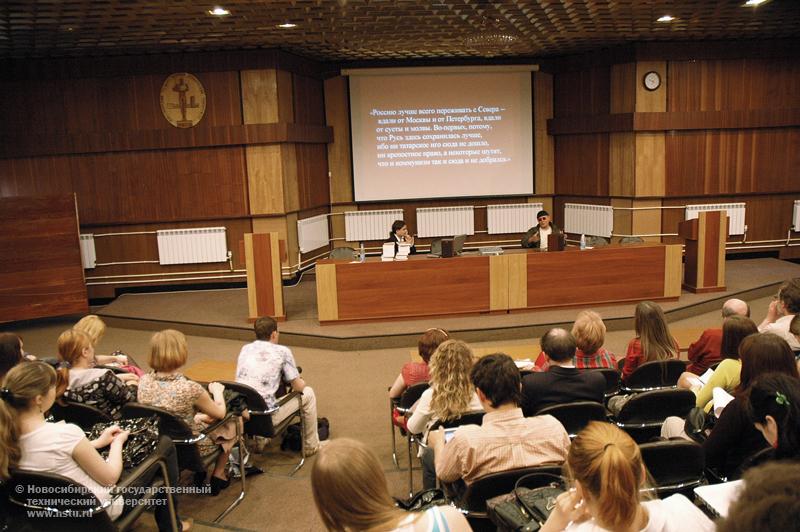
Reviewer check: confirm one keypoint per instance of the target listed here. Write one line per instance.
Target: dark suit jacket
(561, 385)
(412, 251)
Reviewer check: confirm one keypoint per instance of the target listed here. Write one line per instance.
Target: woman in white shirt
(28, 442)
(608, 471)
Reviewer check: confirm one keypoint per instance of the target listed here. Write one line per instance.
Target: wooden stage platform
(223, 313)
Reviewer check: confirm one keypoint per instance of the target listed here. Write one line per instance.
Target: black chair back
(259, 424)
(494, 484)
(83, 415)
(469, 418)
(176, 428)
(654, 375)
(412, 394)
(612, 380)
(575, 416)
(676, 466)
(643, 415)
(26, 513)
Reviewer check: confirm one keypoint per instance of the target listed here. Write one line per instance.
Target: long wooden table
(519, 279)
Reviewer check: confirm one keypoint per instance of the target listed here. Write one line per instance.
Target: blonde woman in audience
(29, 442)
(79, 381)
(608, 473)
(350, 493)
(96, 328)
(167, 388)
(653, 340)
(416, 372)
(450, 395)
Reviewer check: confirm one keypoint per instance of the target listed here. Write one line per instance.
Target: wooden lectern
(264, 282)
(704, 269)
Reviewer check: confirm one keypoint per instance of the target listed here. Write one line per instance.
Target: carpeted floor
(351, 390)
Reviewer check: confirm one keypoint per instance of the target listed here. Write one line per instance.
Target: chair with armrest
(83, 415)
(410, 396)
(346, 253)
(261, 422)
(613, 381)
(79, 509)
(643, 415)
(676, 466)
(186, 441)
(715, 476)
(654, 375)
(575, 416)
(472, 500)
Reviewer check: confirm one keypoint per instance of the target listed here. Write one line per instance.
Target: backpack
(292, 440)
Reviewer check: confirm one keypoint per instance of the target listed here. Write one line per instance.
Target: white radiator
(735, 211)
(370, 225)
(446, 221)
(796, 215)
(313, 233)
(192, 246)
(584, 219)
(88, 255)
(513, 218)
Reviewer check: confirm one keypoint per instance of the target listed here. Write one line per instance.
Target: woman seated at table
(416, 372)
(726, 375)
(400, 235)
(350, 493)
(96, 328)
(80, 382)
(165, 387)
(450, 395)
(607, 468)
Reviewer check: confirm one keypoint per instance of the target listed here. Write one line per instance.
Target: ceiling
(347, 30)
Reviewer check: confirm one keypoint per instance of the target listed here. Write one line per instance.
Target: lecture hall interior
(196, 165)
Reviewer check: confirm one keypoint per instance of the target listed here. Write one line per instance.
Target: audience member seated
(608, 471)
(11, 352)
(264, 365)
(28, 442)
(506, 439)
(562, 382)
(590, 335)
(768, 502)
(350, 493)
(399, 235)
(781, 312)
(726, 375)
(774, 406)
(653, 340)
(707, 350)
(450, 395)
(79, 381)
(415, 372)
(96, 328)
(165, 387)
(734, 437)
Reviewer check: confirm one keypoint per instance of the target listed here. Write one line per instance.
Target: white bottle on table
(583, 241)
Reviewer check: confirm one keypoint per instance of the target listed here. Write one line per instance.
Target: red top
(414, 372)
(599, 359)
(706, 351)
(634, 357)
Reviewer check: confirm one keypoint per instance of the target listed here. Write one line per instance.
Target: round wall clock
(652, 80)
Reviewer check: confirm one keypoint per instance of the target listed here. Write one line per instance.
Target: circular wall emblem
(183, 100)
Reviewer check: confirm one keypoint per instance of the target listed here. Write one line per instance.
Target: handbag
(698, 424)
(142, 439)
(525, 509)
(423, 500)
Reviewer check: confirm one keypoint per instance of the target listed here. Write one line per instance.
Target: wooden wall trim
(161, 139)
(674, 121)
(115, 66)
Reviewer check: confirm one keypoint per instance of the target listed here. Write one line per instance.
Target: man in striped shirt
(505, 440)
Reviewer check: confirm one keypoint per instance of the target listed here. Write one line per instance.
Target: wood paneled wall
(96, 130)
(41, 273)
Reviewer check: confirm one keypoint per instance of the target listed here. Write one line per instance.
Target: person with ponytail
(350, 493)
(773, 405)
(607, 468)
(29, 442)
(80, 382)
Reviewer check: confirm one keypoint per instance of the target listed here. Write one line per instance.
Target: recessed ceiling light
(666, 18)
(219, 11)
(754, 3)
(287, 25)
